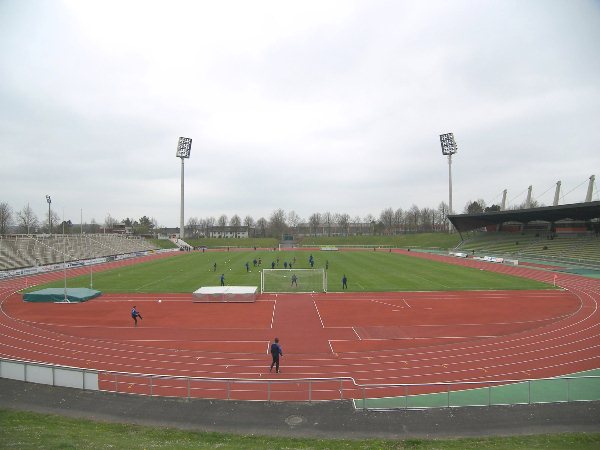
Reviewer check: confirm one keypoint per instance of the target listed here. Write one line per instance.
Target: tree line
(25, 221)
(389, 221)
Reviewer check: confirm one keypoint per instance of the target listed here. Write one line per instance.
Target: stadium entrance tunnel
(54, 295)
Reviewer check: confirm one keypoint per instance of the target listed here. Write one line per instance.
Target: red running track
(372, 338)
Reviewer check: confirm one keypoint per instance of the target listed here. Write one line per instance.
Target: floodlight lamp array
(184, 147)
(448, 143)
(48, 199)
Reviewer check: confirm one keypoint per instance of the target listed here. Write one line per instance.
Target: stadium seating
(570, 249)
(28, 251)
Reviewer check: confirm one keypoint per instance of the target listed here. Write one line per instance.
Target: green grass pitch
(366, 271)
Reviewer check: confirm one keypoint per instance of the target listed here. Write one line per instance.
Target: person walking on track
(276, 352)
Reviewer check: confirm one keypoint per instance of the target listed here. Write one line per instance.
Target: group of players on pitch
(275, 348)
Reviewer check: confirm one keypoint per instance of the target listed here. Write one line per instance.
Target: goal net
(293, 280)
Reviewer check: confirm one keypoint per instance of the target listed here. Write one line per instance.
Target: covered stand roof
(575, 211)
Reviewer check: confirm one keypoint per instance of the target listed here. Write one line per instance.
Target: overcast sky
(309, 106)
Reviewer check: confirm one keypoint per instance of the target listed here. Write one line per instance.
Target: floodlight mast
(184, 147)
(49, 200)
(449, 148)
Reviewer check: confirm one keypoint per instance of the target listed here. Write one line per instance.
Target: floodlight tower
(184, 147)
(449, 148)
(49, 200)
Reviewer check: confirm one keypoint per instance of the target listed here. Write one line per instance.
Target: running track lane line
(573, 288)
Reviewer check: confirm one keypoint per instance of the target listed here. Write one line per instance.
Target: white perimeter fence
(389, 396)
(49, 374)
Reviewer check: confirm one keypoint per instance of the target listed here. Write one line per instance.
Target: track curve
(547, 344)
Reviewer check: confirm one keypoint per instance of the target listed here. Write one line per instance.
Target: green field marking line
(565, 388)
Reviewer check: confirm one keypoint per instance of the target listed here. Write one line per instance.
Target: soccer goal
(293, 280)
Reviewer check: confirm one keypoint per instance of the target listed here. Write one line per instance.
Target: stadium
(229, 224)
(420, 328)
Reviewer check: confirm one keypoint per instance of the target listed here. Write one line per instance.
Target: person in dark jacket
(135, 314)
(276, 352)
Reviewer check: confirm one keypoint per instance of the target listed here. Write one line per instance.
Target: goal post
(293, 280)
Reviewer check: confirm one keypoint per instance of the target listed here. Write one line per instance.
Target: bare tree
(193, 224)
(27, 220)
(327, 218)
(357, 221)
(55, 220)
(412, 216)
(343, 221)
(222, 221)
(262, 226)
(277, 223)
(533, 203)
(293, 220)
(387, 218)
(249, 221)
(426, 219)
(6, 218)
(235, 221)
(369, 219)
(398, 220)
(209, 222)
(94, 227)
(443, 216)
(109, 221)
(313, 222)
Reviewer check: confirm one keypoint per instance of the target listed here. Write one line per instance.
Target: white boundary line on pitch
(151, 282)
(357, 335)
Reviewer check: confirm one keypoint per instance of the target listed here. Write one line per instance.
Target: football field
(366, 271)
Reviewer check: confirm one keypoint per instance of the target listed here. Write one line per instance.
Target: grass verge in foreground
(25, 430)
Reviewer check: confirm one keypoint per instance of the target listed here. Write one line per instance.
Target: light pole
(49, 200)
(449, 148)
(184, 147)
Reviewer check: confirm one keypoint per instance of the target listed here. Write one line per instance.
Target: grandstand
(582, 249)
(22, 251)
(568, 234)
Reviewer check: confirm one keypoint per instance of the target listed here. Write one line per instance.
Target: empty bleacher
(570, 249)
(28, 251)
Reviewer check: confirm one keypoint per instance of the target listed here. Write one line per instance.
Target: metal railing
(563, 389)
(369, 396)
